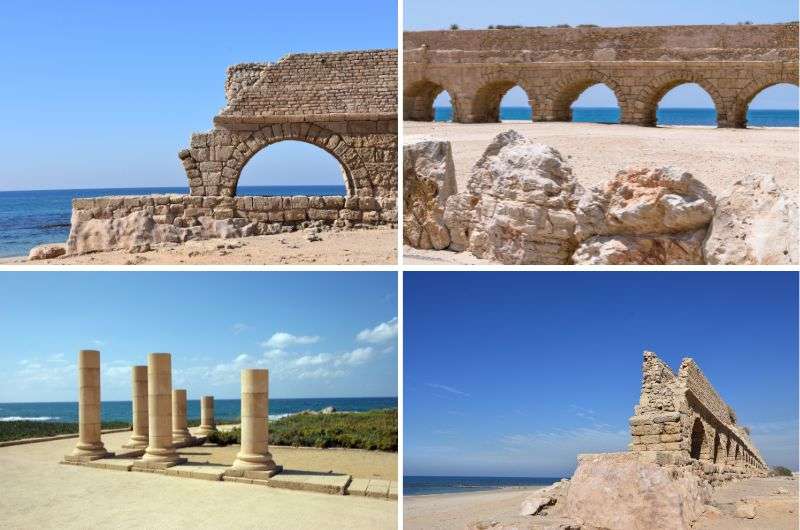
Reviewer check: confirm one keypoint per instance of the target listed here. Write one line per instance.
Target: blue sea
(30, 218)
(419, 485)
(223, 408)
(665, 116)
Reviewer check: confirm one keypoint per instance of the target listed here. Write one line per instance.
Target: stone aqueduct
(554, 65)
(342, 102)
(682, 418)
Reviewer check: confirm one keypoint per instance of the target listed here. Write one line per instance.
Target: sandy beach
(376, 246)
(46, 494)
(717, 157)
(459, 510)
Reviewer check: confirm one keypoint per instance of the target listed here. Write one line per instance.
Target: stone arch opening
(486, 103)
(684, 104)
(515, 105)
(292, 167)
(647, 103)
(728, 451)
(754, 102)
(443, 107)
(569, 90)
(736, 456)
(697, 439)
(715, 456)
(419, 101)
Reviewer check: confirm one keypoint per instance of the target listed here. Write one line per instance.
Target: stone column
(138, 438)
(89, 446)
(207, 423)
(254, 452)
(180, 431)
(159, 405)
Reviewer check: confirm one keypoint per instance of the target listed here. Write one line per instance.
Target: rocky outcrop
(617, 490)
(685, 248)
(644, 217)
(518, 205)
(429, 178)
(48, 251)
(756, 223)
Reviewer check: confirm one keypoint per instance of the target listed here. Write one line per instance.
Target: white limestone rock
(617, 490)
(756, 223)
(645, 201)
(745, 510)
(429, 178)
(138, 231)
(685, 248)
(48, 251)
(518, 205)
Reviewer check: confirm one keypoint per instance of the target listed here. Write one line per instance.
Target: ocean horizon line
(215, 398)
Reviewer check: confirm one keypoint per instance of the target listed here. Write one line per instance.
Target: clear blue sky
(514, 374)
(104, 94)
(321, 334)
(476, 14)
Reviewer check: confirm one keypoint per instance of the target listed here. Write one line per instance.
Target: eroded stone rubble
(523, 205)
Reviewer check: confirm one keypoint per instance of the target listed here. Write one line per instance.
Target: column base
(150, 465)
(258, 474)
(136, 442)
(86, 457)
(205, 430)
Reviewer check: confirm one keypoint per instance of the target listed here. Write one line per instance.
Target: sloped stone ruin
(523, 205)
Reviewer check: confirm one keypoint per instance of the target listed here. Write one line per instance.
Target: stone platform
(205, 462)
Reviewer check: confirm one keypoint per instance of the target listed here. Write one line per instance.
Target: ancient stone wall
(554, 65)
(131, 222)
(344, 103)
(681, 419)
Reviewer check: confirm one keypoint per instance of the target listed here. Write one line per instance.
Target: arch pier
(639, 64)
(344, 103)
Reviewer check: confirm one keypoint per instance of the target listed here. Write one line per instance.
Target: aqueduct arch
(342, 102)
(683, 419)
(639, 64)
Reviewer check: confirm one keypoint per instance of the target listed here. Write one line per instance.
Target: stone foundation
(133, 222)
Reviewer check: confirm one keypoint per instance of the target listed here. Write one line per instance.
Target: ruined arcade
(342, 102)
(554, 65)
(681, 419)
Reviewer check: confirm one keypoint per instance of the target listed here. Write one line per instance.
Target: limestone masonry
(554, 65)
(342, 102)
(681, 419)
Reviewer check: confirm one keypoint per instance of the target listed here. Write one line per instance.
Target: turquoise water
(223, 408)
(30, 218)
(419, 485)
(665, 116)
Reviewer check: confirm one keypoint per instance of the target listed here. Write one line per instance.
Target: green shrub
(17, 430)
(780, 471)
(375, 430)
(454, 27)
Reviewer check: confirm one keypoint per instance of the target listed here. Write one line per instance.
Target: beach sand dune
(376, 246)
(41, 493)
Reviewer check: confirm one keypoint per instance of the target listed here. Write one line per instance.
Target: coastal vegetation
(374, 430)
(18, 430)
(780, 471)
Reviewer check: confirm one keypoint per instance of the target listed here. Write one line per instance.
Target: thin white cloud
(357, 356)
(282, 340)
(449, 389)
(308, 360)
(383, 332)
(321, 373)
(240, 327)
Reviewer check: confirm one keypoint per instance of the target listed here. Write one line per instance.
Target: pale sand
(376, 246)
(717, 157)
(41, 493)
(455, 511)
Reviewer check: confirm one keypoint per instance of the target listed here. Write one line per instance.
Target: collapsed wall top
(320, 86)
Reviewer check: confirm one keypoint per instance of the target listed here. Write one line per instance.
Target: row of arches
(719, 446)
(596, 98)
